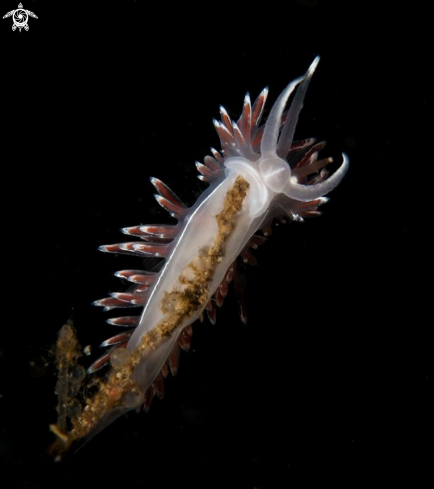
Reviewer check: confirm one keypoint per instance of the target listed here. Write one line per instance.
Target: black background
(330, 378)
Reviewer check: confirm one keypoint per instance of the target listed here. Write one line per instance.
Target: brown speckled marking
(119, 388)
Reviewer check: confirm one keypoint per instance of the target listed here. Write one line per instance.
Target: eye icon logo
(20, 17)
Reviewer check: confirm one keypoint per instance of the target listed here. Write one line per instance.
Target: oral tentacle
(306, 193)
(271, 129)
(269, 144)
(288, 130)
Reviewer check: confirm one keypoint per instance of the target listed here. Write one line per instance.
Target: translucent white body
(271, 184)
(284, 178)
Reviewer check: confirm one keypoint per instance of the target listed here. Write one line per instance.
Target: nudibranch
(259, 174)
